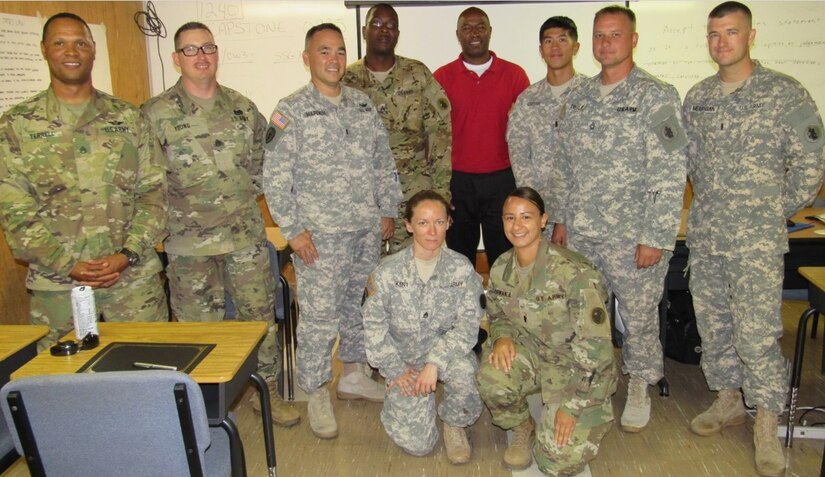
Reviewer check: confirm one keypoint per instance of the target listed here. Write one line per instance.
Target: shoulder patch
(667, 128)
(807, 125)
(279, 120)
(278, 123)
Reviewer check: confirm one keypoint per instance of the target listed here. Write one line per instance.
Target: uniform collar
(190, 107)
(97, 107)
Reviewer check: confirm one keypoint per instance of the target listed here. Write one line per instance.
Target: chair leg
(236, 452)
(796, 372)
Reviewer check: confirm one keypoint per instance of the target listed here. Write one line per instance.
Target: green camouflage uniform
(328, 170)
(558, 322)
(624, 175)
(755, 158)
(81, 192)
(416, 112)
(217, 240)
(533, 145)
(409, 323)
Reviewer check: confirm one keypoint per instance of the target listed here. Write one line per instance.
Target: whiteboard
(261, 42)
(24, 72)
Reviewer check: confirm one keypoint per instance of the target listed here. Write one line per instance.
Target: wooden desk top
(815, 275)
(13, 338)
(234, 341)
(274, 235)
(798, 217)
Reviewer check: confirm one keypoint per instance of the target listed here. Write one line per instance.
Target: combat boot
(770, 461)
(726, 410)
(355, 383)
(321, 418)
(456, 443)
(519, 455)
(636, 413)
(283, 414)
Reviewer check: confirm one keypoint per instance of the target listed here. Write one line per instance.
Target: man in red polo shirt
(481, 87)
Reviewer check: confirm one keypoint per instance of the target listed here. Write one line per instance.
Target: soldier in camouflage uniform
(550, 334)
(624, 174)
(421, 322)
(213, 138)
(534, 119)
(82, 191)
(755, 158)
(413, 107)
(331, 186)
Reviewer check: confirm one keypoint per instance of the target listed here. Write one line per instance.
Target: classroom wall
(130, 81)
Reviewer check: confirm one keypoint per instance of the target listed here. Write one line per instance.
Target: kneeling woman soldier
(550, 334)
(421, 322)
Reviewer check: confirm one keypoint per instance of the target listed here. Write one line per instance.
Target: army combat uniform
(82, 190)
(755, 158)
(624, 173)
(532, 142)
(217, 240)
(416, 112)
(409, 323)
(329, 170)
(558, 322)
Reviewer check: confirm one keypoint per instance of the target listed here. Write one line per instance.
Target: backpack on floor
(682, 341)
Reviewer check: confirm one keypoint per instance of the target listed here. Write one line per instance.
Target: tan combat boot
(356, 382)
(456, 444)
(726, 410)
(321, 418)
(636, 413)
(770, 461)
(519, 455)
(283, 414)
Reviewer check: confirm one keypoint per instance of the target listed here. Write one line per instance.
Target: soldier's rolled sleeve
(593, 376)
(438, 128)
(665, 172)
(804, 160)
(279, 162)
(460, 339)
(254, 162)
(148, 224)
(382, 350)
(28, 237)
(387, 188)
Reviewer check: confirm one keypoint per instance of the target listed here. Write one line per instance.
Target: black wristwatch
(131, 256)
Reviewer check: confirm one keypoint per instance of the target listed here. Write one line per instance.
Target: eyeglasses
(70, 347)
(378, 24)
(193, 50)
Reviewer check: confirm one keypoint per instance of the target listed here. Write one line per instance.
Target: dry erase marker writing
(139, 364)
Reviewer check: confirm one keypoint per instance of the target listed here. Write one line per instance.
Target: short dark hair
(375, 7)
(320, 27)
(617, 10)
(68, 15)
(473, 10)
(420, 197)
(187, 27)
(564, 23)
(530, 195)
(727, 8)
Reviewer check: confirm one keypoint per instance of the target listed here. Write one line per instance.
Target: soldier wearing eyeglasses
(82, 191)
(213, 137)
(413, 107)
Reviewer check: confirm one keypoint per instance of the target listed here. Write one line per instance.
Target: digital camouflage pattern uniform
(755, 158)
(83, 191)
(217, 240)
(409, 323)
(533, 145)
(329, 170)
(624, 172)
(558, 322)
(416, 112)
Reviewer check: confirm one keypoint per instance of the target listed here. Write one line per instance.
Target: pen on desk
(139, 364)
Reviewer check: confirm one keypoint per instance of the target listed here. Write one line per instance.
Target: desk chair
(285, 313)
(7, 453)
(124, 423)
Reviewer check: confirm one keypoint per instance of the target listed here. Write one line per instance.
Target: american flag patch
(279, 120)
